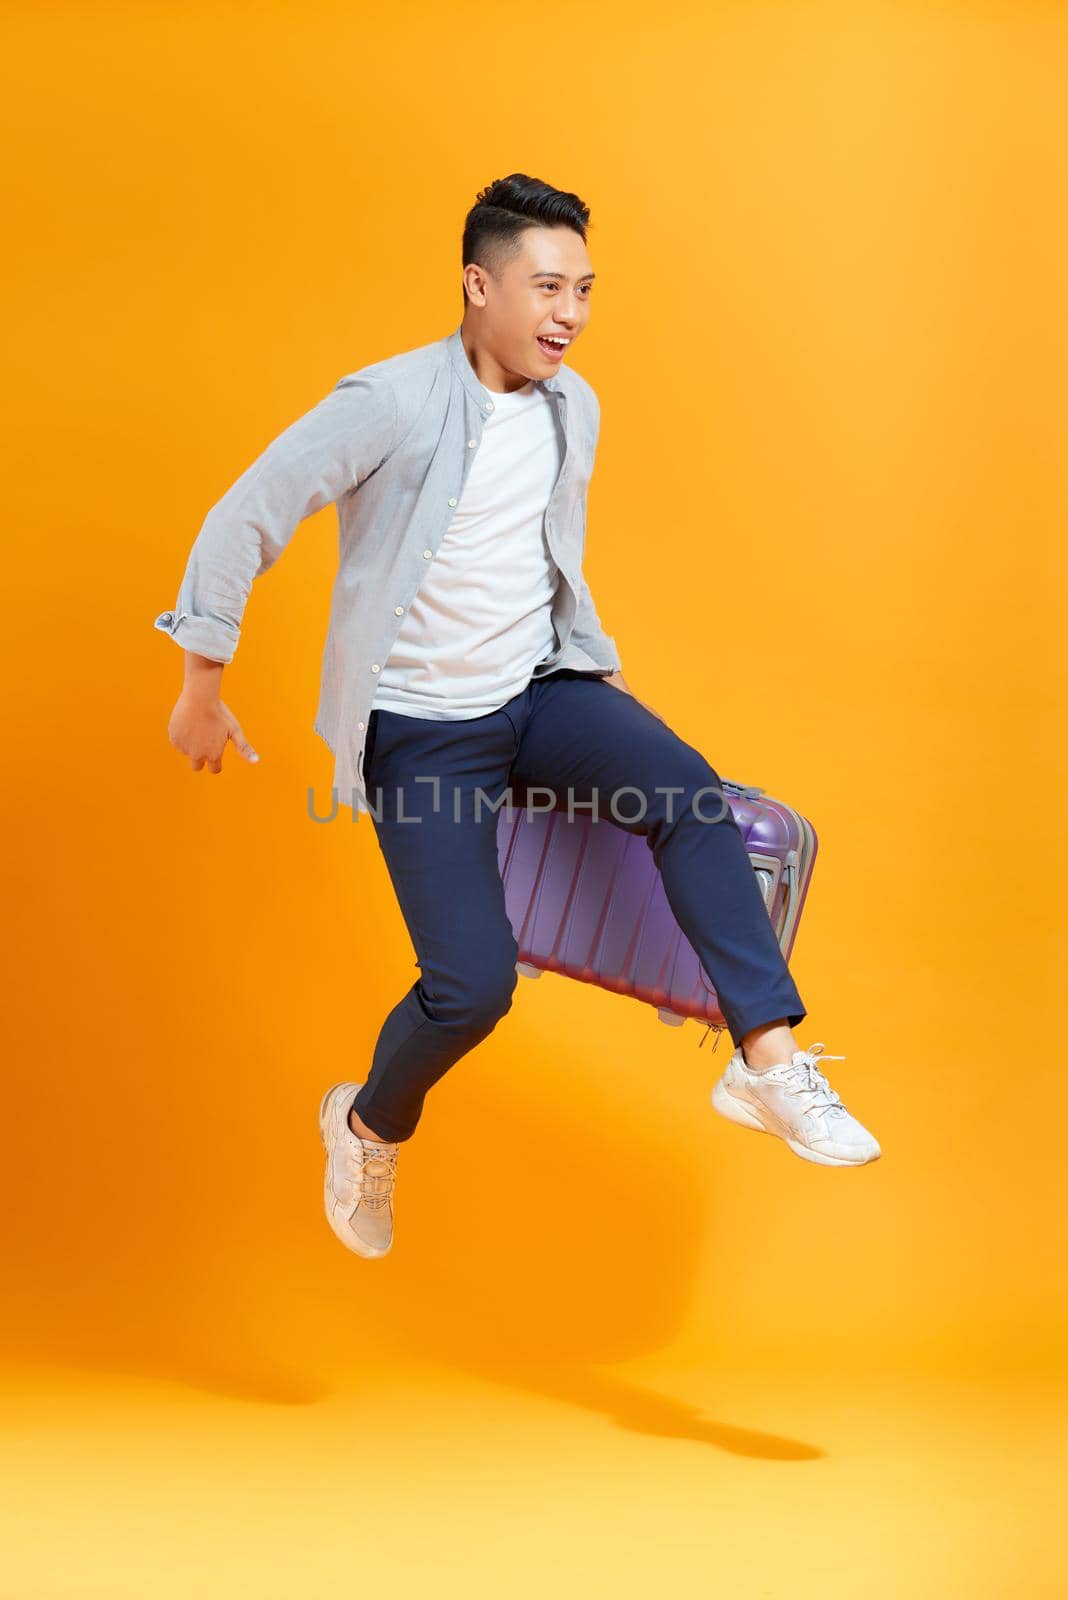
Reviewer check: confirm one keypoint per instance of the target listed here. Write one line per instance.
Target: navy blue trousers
(566, 732)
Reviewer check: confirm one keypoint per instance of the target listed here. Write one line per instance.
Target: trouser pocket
(369, 745)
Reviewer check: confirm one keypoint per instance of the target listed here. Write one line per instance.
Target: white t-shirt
(480, 622)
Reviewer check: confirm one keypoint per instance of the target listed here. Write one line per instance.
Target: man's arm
(591, 637)
(618, 681)
(316, 460)
(588, 633)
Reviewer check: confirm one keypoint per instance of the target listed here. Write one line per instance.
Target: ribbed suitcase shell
(585, 898)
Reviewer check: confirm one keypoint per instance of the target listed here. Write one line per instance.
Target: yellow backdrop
(826, 529)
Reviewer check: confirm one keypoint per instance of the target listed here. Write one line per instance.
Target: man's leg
(585, 735)
(421, 775)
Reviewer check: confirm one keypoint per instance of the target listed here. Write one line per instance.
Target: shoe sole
(735, 1110)
(346, 1240)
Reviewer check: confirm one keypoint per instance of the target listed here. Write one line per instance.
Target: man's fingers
(235, 735)
(241, 744)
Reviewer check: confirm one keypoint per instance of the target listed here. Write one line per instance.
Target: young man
(464, 658)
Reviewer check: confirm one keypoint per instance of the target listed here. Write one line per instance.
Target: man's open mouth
(552, 347)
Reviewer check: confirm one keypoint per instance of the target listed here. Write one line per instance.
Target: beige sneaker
(358, 1185)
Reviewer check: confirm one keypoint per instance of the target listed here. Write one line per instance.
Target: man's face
(544, 291)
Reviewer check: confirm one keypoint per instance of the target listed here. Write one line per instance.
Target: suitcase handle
(790, 870)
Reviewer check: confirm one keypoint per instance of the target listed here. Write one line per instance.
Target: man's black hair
(505, 208)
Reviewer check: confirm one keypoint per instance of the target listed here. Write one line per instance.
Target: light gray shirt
(391, 446)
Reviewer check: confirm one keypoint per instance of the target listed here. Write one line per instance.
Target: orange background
(618, 1343)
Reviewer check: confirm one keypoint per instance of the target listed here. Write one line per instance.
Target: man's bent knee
(477, 997)
(488, 997)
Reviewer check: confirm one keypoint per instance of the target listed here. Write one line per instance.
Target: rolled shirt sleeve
(316, 460)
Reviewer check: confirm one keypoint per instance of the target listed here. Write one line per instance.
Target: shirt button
(398, 611)
(452, 500)
(489, 405)
(376, 667)
(359, 724)
(471, 443)
(427, 554)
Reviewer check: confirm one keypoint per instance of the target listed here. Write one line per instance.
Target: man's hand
(201, 723)
(617, 680)
(200, 728)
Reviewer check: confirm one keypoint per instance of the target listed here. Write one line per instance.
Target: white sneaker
(358, 1185)
(794, 1101)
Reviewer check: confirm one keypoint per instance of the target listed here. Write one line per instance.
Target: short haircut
(505, 209)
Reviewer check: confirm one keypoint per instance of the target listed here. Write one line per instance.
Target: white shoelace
(805, 1077)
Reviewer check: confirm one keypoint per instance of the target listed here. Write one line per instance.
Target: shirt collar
(469, 378)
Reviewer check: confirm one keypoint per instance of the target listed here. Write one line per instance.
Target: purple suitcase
(585, 898)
